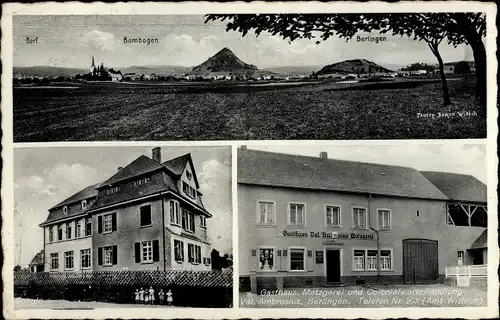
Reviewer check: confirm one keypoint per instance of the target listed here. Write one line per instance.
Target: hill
(159, 70)
(293, 70)
(48, 71)
(353, 66)
(224, 61)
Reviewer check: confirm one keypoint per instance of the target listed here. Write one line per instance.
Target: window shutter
(113, 222)
(115, 255)
(99, 256)
(137, 252)
(156, 250)
(99, 224)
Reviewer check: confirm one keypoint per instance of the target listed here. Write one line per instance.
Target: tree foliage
(462, 67)
(419, 66)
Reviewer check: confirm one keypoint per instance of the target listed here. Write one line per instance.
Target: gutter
(163, 233)
(378, 237)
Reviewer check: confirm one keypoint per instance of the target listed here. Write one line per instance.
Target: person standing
(170, 298)
(137, 296)
(151, 295)
(141, 295)
(161, 294)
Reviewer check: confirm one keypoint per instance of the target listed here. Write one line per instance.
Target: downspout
(163, 233)
(378, 237)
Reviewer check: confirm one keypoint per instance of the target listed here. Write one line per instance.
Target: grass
(109, 111)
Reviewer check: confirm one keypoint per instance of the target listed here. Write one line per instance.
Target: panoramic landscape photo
(263, 76)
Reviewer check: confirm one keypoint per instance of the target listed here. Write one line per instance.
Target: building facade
(307, 221)
(148, 216)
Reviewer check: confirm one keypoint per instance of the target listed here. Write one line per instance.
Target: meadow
(225, 111)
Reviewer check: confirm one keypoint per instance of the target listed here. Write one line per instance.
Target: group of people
(147, 296)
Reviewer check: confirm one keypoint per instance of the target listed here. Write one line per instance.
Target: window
(460, 258)
(184, 218)
(108, 255)
(384, 219)
(179, 250)
(78, 229)
(296, 214)
(88, 226)
(84, 204)
(297, 259)
(385, 260)
(359, 218)
(145, 215)
(266, 259)
(206, 261)
(188, 190)
(107, 223)
(203, 221)
(54, 261)
(59, 232)
(265, 212)
(112, 190)
(188, 220)
(189, 176)
(85, 258)
(191, 223)
(359, 260)
(69, 229)
(51, 234)
(332, 216)
(65, 209)
(140, 182)
(194, 253)
(174, 212)
(147, 251)
(371, 260)
(418, 213)
(68, 260)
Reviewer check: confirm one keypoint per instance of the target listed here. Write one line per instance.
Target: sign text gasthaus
(329, 235)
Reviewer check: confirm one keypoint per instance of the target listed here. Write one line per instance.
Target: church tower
(92, 66)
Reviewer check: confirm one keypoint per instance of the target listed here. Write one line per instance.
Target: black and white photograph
(108, 227)
(363, 226)
(249, 76)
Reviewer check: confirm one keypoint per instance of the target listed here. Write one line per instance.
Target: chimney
(323, 155)
(120, 169)
(157, 154)
(243, 147)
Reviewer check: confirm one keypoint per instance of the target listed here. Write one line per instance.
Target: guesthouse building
(314, 221)
(148, 216)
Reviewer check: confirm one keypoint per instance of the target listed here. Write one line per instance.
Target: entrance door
(332, 266)
(420, 261)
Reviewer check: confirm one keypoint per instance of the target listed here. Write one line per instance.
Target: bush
(462, 67)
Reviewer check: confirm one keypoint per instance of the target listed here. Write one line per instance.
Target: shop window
(266, 259)
(460, 258)
(297, 259)
(384, 219)
(385, 260)
(296, 214)
(332, 216)
(359, 218)
(265, 212)
(371, 260)
(359, 260)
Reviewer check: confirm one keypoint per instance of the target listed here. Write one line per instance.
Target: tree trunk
(479, 53)
(446, 93)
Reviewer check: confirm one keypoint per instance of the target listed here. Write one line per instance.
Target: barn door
(420, 261)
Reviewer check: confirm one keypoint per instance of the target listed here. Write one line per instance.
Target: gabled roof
(139, 166)
(458, 187)
(88, 192)
(177, 166)
(37, 259)
(481, 241)
(285, 170)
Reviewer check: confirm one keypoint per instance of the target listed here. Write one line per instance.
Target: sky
(45, 176)
(70, 41)
(453, 156)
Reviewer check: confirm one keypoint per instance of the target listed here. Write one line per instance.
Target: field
(224, 111)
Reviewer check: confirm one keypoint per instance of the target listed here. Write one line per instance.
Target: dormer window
(112, 190)
(65, 209)
(141, 182)
(84, 204)
(189, 175)
(188, 190)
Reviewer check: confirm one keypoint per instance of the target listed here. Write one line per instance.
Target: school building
(148, 216)
(315, 221)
